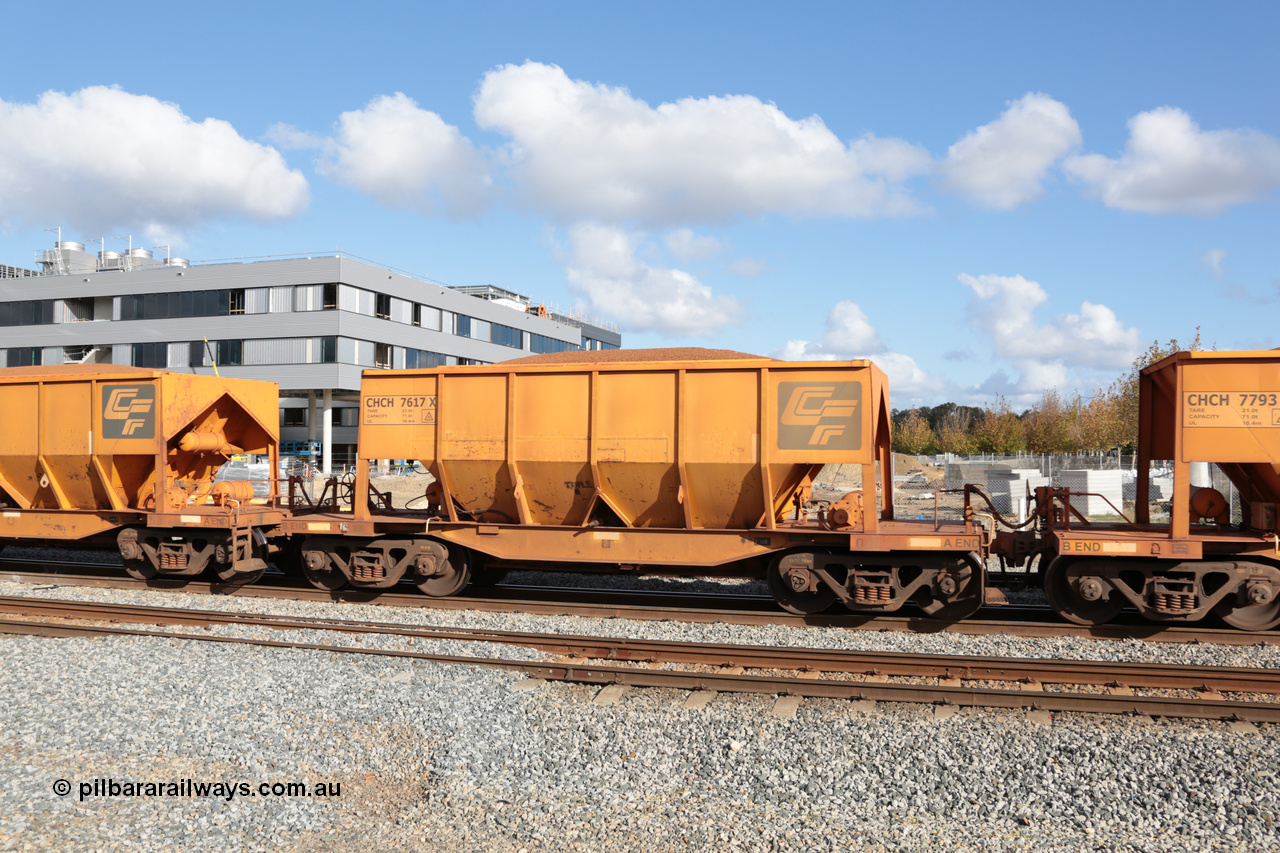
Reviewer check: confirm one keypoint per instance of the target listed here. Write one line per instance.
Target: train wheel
(1079, 595)
(1262, 610)
(966, 577)
(243, 578)
(1252, 617)
(140, 569)
(811, 597)
(321, 572)
(136, 562)
(450, 571)
(955, 611)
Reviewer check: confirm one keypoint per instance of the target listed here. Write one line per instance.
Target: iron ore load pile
(695, 461)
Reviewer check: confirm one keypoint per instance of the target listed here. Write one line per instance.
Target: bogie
(438, 569)
(945, 586)
(236, 556)
(1092, 591)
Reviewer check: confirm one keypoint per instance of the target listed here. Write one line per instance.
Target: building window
(418, 358)
(382, 355)
(190, 303)
(293, 417)
(33, 313)
(543, 344)
(329, 349)
(26, 357)
(426, 317)
(228, 352)
(150, 355)
(507, 336)
(382, 306)
(471, 327)
(347, 416)
(330, 296)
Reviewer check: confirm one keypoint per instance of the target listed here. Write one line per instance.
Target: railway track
(733, 608)
(949, 680)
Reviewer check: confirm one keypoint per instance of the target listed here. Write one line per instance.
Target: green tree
(956, 433)
(1122, 394)
(1000, 430)
(1050, 424)
(912, 435)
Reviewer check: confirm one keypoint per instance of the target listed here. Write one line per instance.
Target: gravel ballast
(458, 758)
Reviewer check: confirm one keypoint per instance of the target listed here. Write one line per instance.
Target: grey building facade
(311, 324)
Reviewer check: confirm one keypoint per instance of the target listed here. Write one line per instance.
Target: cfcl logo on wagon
(819, 415)
(128, 411)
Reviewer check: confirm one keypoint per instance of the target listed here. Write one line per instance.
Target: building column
(327, 439)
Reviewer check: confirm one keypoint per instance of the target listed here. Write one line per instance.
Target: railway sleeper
(944, 586)
(1244, 593)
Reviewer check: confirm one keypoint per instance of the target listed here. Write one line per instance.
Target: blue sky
(983, 198)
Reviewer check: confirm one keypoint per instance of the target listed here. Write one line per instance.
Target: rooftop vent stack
(110, 261)
(177, 262)
(140, 259)
(66, 257)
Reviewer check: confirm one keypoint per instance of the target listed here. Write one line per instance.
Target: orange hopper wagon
(1218, 408)
(94, 453)
(647, 458)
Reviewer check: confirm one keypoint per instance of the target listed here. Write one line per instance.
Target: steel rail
(909, 623)
(966, 667)
(741, 683)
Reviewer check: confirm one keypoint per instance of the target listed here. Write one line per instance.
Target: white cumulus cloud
(1171, 166)
(848, 335)
(687, 245)
(402, 155)
(102, 158)
(1003, 164)
(579, 150)
(746, 267)
(849, 330)
(1213, 260)
(1003, 307)
(603, 267)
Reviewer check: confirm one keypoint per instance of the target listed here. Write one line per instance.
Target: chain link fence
(922, 483)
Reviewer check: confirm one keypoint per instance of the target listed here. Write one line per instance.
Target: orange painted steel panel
(107, 437)
(1219, 407)
(717, 445)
